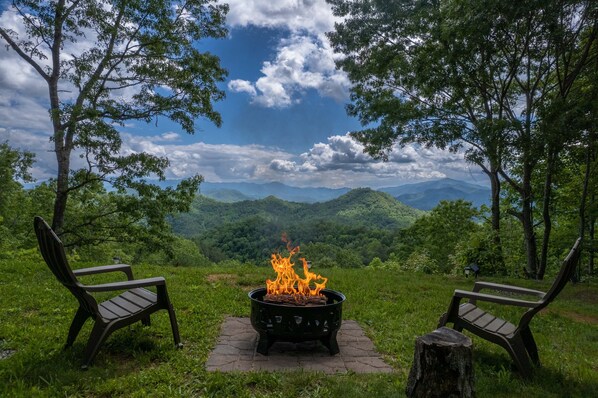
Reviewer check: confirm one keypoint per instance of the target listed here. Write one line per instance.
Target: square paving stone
(236, 352)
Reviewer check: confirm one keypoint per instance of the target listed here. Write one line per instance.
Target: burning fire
(288, 282)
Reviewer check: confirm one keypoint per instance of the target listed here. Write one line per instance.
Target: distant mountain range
(423, 195)
(426, 195)
(358, 207)
(237, 191)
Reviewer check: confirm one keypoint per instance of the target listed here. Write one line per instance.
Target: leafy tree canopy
(109, 62)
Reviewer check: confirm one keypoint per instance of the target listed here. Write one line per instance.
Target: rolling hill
(359, 207)
(248, 191)
(426, 195)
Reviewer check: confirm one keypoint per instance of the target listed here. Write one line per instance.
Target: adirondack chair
(136, 303)
(517, 340)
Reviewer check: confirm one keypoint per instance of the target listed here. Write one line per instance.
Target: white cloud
(242, 86)
(170, 136)
(340, 162)
(311, 15)
(304, 60)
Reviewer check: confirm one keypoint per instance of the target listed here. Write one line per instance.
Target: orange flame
(287, 281)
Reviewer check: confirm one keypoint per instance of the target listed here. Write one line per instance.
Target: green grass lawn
(393, 308)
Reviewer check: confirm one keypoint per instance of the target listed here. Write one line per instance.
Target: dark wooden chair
(135, 304)
(516, 339)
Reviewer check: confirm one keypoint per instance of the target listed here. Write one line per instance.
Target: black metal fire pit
(283, 322)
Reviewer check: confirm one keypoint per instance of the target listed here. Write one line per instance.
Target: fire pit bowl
(283, 322)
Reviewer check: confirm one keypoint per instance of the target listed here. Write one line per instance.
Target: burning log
(295, 299)
(290, 288)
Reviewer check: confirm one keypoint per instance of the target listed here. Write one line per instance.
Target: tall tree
(425, 73)
(464, 74)
(139, 61)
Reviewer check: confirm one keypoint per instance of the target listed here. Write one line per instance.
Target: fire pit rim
(341, 296)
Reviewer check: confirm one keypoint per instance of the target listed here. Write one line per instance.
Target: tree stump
(442, 366)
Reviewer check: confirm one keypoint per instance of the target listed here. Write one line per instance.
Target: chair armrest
(105, 268)
(507, 288)
(108, 287)
(495, 299)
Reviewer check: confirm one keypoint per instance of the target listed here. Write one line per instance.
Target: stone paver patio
(235, 351)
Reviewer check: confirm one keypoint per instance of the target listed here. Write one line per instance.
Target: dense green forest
(362, 228)
(350, 230)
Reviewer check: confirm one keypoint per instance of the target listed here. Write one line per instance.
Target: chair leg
(518, 353)
(175, 327)
(80, 317)
(146, 321)
(442, 320)
(98, 334)
(530, 345)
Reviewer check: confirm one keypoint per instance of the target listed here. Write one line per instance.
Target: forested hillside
(350, 230)
(359, 207)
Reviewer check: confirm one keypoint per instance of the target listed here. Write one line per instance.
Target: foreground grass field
(394, 308)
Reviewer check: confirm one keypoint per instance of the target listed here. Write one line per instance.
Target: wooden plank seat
(129, 303)
(136, 303)
(484, 320)
(517, 339)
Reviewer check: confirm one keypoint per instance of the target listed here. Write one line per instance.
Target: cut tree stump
(442, 366)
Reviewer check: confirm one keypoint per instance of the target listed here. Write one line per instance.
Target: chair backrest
(54, 255)
(559, 283)
(565, 273)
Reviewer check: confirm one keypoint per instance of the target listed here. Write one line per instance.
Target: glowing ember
(289, 284)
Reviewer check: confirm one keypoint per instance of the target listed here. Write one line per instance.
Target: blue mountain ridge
(423, 195)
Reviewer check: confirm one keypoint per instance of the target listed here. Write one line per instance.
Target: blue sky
(283, 117)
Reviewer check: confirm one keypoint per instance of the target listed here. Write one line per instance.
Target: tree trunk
(61, 147)
(495, 208)
(582, 205)
(591, 252)
(551, 159)
(62, 184)
(527, 218)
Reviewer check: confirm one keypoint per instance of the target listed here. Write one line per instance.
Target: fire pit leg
(264, 343)
(331, 344)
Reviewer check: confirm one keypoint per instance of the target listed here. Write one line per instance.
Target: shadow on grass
(497, 376)
(51, 367)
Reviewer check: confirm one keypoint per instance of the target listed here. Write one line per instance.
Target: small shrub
(420, 261)
(376, 263)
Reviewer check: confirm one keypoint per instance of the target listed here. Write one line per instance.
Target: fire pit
(284, 322)
(295, 309)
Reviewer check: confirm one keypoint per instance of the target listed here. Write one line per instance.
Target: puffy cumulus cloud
(342, 160)
(312, 15)
(170, 136)
(339, 162)
(39, 144)
(303, 61)
(216, 162)
(23, 92)
(283, 165)
(242, 86)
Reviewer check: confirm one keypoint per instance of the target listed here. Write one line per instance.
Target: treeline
(99, 225)
(513, 88)
(445, 240)
(362, 228)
